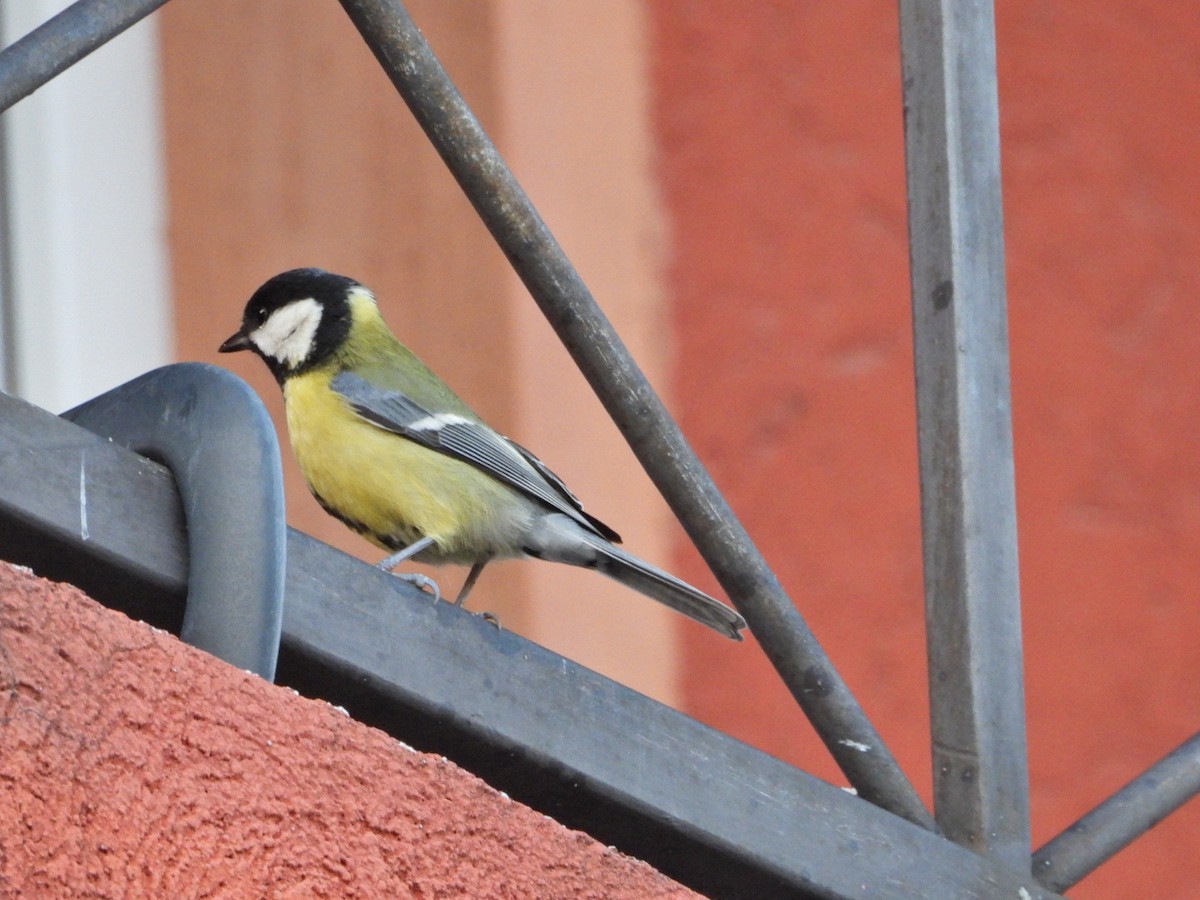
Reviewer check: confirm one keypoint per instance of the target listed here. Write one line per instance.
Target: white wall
(86, 190)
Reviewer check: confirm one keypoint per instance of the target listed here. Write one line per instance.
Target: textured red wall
(781, 158)
(134, 766)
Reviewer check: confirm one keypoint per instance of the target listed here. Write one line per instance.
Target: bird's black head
(295, 320)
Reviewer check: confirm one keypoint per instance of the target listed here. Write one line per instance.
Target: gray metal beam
(637, 410)
(968, 506)
(716, 814)
(62, 41)
(1121, 819)
(89, 510)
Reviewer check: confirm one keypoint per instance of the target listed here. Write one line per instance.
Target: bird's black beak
(238, 341)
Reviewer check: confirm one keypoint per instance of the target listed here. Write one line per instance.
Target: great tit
(390, 450)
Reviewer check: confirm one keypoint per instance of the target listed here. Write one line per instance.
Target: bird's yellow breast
(392, 490)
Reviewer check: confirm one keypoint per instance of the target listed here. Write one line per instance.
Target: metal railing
(638, 412)
(704, 808)
(964, 427)
(968, 509)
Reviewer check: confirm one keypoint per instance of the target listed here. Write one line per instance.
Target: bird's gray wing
(468, 440)
(557, 483)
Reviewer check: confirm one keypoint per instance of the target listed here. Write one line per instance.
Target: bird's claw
(493, 618)
(423, 583)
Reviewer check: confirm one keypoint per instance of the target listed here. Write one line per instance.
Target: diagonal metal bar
(1121, 819)
(968, 506)
(64, 40)
(654, 436)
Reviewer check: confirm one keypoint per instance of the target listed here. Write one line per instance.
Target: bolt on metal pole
(968, 503)
(653, 435)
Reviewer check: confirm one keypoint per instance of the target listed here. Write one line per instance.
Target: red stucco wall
(781, 158)
(134, 766)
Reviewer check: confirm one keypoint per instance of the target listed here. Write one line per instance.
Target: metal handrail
(708, 810)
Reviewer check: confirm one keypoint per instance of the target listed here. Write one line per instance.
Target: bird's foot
(423, 583)
(493, 618)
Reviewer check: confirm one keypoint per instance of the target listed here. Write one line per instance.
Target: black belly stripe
(394, 541)
(352, 524)
(390, 541)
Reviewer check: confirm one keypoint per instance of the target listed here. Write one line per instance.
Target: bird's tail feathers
(560, 538)
(666, 589)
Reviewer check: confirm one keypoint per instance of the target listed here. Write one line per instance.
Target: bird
(388, 448)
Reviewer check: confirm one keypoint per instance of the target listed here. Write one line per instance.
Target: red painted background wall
(781, 159)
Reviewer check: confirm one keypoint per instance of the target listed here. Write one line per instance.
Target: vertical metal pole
(968, 505)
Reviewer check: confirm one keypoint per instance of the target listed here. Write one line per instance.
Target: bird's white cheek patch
(288, 334)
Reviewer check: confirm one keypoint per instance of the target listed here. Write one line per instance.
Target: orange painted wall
(781, 163)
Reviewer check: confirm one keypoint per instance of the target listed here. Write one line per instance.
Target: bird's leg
(472, 577)
(422, 581)
(407, 553)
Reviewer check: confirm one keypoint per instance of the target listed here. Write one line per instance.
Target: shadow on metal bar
(211, 430)
(717, 815)
(654, 436)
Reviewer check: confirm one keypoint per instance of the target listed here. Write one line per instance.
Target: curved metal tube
(211, 430)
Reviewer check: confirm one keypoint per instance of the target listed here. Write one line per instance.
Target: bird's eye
(260, 314)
